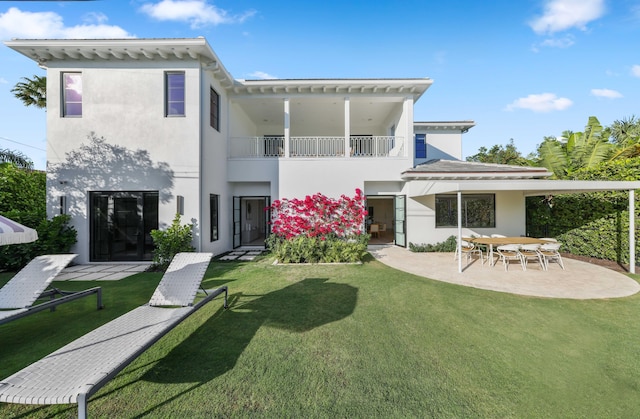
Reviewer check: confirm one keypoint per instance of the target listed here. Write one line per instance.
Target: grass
(352, 341)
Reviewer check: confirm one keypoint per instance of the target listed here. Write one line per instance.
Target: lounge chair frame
(18, 296)
(66, 296)
(75, 372)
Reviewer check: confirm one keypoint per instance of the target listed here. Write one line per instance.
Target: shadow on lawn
(215, 347)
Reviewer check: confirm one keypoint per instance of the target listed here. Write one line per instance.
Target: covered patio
(456, 177)
(579, 280)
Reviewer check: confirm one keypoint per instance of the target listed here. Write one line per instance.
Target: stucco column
(632, 231)
(459, 245)
(347, 127)
(287, 127)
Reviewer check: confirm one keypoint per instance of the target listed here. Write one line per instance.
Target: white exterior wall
(421, 222)
(125, 106)
(214, 168)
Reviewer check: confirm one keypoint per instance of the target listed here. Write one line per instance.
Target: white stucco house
(139, 129)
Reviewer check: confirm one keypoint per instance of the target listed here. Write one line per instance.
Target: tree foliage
(15, 158)
(23, 199)
(32, 92)
(578, 150)
(500, 154)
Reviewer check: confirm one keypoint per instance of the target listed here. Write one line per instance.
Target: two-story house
(139, 129)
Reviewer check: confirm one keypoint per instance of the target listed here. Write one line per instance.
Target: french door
(400, 220)
(121, 224)
(250, 220)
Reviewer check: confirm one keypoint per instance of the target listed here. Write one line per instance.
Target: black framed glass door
(121, 224)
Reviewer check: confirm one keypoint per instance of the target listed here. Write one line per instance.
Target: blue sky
(521, 69)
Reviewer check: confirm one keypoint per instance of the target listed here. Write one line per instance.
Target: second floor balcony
(317, 147)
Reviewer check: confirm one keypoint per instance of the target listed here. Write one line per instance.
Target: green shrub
(54, 236)
(325, 249)
(175, 239)
(448, 245)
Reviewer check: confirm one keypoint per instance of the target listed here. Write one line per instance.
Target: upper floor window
(174, 93)
(214, 109)
(478, 211)
(71, 94)
(421, 146)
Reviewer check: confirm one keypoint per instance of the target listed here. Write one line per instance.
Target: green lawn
(352, 341)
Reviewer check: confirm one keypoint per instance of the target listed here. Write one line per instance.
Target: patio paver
(579, 280)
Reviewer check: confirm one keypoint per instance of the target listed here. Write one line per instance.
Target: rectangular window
(174, 94)
(478, 211)
(421, 146)
(213, 215)
(71, 94)
(214, 109)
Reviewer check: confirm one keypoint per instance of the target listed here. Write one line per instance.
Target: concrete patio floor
(579, 280)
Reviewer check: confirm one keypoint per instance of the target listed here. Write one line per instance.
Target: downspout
(632, 232)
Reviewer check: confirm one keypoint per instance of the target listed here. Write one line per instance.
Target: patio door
(121, 224)
(400, 203)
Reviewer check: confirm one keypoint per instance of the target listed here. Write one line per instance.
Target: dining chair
(509, 252)
(374, 230)
(532, 252)
(498, 235)
(550, 252)
(469, 249)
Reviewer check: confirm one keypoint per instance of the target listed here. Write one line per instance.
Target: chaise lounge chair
(17, 297)
(78, 370)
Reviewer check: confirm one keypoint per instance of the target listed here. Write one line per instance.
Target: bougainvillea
(318, 216)
(318, 229)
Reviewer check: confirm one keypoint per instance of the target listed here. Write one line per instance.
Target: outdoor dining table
(499, 241)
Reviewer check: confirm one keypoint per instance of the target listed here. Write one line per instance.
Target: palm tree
(581, 149)
(15, 157)
(626, 135)
(32, 92)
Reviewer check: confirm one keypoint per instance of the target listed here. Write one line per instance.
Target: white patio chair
(498, 235)
(469, 249)
(551, 253)
(549, 239)
(73, 373)
(532, 252)
(509, 252)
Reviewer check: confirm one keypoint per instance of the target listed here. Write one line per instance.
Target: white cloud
(197, 13)
(49, 25)
(560, 15)
(545, 102)
(635, 70)
(3, 80)
(262, 75)
(564, 42)
(606, 93)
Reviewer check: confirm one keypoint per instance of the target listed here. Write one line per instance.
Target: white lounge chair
(17, 297)
(76, 371)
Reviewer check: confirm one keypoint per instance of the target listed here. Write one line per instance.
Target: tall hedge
(589, 224)
(23, 199)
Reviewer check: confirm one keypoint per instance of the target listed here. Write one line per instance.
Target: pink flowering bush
(318, 229)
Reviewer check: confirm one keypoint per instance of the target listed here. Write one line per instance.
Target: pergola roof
(528, 187)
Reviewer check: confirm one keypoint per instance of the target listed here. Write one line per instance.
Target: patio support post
(632, 231)
(287, 128)
(459, 245)
(347, 127)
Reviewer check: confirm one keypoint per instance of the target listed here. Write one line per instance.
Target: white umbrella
(15, 233)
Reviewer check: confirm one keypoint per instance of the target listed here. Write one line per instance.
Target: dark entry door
(121, 224)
